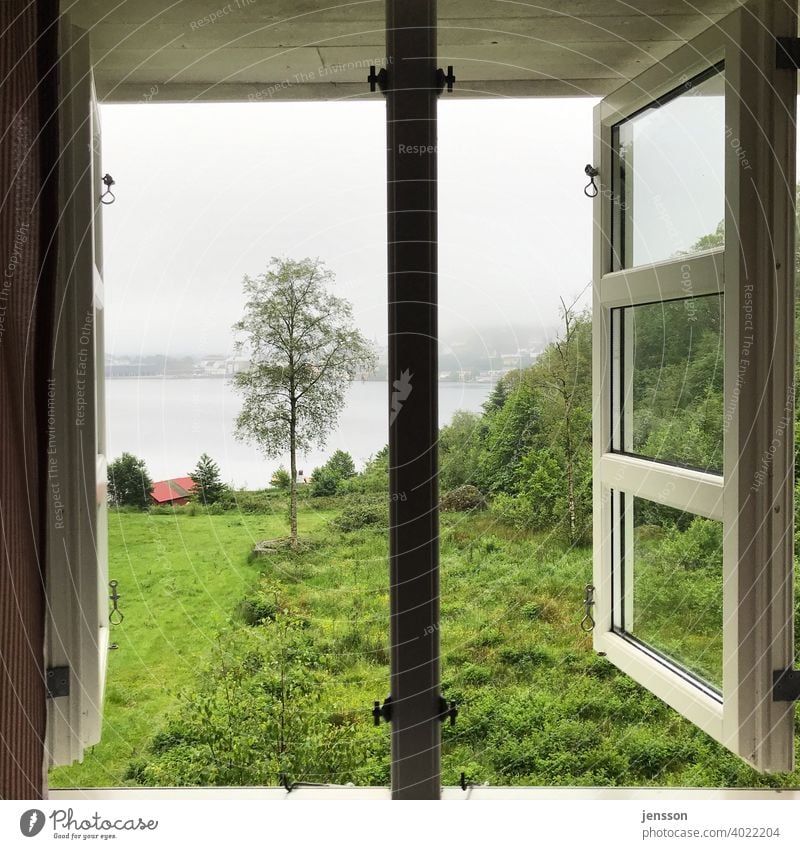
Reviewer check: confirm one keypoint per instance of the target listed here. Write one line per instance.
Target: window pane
(671, 375)
(669, 174)
(672, 586)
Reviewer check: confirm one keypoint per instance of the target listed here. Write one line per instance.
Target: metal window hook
(590, 189)
(116, 616)
(587, 623)
(108, 181)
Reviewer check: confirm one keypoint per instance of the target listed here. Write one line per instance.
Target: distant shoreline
(478, 380)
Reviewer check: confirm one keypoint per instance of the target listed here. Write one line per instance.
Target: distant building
(174, 491)
(236, 365)
(212, 366)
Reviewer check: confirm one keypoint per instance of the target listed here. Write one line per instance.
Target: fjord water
(169, 422)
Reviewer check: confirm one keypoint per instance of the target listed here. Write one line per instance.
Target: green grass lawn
(537, 706)
(180, 578)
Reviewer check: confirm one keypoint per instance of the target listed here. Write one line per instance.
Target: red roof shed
(172, 491)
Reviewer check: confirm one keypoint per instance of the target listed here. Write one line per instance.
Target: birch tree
(304, 351)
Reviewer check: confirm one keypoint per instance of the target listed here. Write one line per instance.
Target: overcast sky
(207, 193)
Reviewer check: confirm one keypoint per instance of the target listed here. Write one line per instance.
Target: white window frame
(758, 525)
(76, 634)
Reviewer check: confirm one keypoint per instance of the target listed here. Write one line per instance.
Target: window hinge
(445, 80)
(447, 710)
(786, 685)
(378, 79)
(787, 53)
(382, 711)
(57, 682)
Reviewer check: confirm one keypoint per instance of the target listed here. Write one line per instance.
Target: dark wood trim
(413, 397)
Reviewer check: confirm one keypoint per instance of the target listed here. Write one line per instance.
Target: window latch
(590, 189)
(587, 623)
(108, 196)
(786, 685)
(116, 616)
(382, 711)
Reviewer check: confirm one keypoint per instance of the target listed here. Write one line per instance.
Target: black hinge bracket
(378, 79)
(382, 711)
(57, 682)
(447, 710)
(445, 80)
(787, 53)
(786, 685)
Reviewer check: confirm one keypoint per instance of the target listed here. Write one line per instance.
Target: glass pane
(672, 381)
(672, 585)
(669, 174)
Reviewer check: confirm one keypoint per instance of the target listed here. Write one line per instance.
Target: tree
(459, 450)
(327, 478)
(129, 484)
(208, 486)
(280, 478)
(304, 351)
(510, 432)
(564, 374)
(497, 397)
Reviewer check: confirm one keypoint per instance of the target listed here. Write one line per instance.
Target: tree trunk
(571, 506)
(293, 490)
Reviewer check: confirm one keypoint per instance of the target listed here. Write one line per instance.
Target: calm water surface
(170, 422)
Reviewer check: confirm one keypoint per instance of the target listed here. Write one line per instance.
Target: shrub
(327, 479)
(260, 501)
(512, 510)
(254, 716)
(374, 478)
(258, 608)
(280, 478)
(129, 484)
(476, 674)
(532, 610)
(699, 546)
(360, 515)
(463, 499)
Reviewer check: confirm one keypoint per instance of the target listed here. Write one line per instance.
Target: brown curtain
(28, 213)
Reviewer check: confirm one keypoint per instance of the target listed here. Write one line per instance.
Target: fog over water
(170, 422)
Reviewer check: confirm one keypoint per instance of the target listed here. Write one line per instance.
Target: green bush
(255, 717)
(360, 515)
(327, 479)
(258, 501)
(513, 510)
(463, 499)
(374, 478)
(698, 547)
(280, 478)
(532, 610)
(258, 608)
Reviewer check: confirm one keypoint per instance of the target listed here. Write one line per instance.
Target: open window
(693, 383)
(77, 560)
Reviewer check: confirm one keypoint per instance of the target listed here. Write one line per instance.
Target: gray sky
(209, 192)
